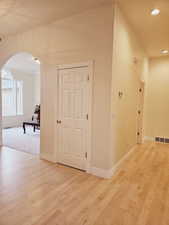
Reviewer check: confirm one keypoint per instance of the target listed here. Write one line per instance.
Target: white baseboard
(48, 157)
(149, 138)
(103, 173)
(108, 173)
(120, 162)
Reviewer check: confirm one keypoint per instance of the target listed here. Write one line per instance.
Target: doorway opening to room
(20, 91)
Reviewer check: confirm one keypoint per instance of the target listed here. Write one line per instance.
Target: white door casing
(74, 115)
(140, 113)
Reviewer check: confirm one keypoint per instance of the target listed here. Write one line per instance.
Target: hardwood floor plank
(36, 192)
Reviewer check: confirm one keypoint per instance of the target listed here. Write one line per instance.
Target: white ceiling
(23, 62)
(20, 15)
(153, 31)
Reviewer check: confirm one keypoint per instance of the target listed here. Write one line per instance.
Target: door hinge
(86, 155)
(88, 78)
(87, 116)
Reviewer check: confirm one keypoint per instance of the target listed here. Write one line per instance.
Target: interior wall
(157, 107)
(83, 37)
(37, 89)
(30, 94)
(129, 70)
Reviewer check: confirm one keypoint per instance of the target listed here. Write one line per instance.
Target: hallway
(35, 192)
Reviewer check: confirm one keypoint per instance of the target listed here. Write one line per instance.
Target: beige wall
(129, 69)
(37, 89)
(80, 38)
(111, 44)
(157, 99)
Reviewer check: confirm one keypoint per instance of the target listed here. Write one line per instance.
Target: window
(12, 95)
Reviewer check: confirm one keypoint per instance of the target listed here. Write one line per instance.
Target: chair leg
(24, 129)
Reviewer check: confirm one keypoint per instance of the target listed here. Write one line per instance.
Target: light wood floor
(34, 192)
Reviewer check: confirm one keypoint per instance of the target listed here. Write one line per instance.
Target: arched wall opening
(20, 96)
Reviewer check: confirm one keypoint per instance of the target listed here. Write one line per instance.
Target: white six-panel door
(73, 116)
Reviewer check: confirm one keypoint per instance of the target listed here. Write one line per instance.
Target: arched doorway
(20, 90)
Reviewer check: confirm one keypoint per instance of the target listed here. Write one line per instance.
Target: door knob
(59, 121)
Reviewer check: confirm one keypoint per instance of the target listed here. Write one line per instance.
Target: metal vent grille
(162, 140)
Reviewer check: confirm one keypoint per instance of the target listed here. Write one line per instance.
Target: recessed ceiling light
(164, 51)
(155, 12)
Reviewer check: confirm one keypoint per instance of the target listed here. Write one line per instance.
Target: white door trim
(90, 66)
(140, 117)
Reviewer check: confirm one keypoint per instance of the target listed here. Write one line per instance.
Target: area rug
(15, 138)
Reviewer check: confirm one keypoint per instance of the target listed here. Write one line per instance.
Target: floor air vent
(163, 140)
